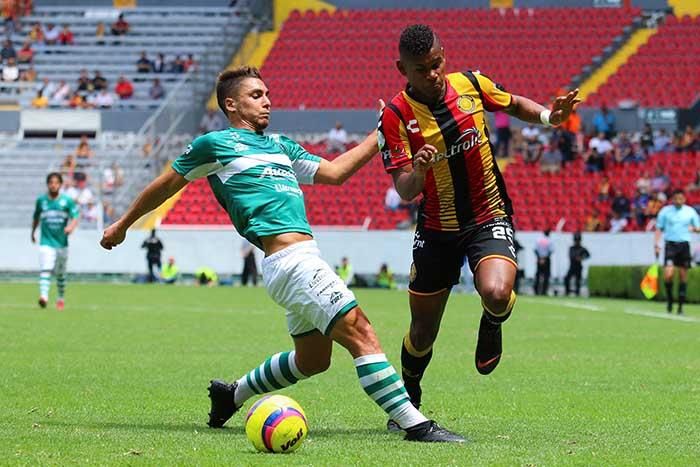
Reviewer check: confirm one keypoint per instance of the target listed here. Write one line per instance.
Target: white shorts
(53, 259)
(304, 285)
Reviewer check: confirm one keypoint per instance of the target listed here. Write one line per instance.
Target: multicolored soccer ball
(276, 424)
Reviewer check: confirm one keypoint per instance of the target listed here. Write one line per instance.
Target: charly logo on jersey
(470, 138)
(188, 149)
(466, 103)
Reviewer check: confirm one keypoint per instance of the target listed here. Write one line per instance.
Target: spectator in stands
(190, 63)
(552, 157)
(532, 145)
(337, 139)
(621, 205)
(10, 72)
(595, 162)
(503, 134)
(36, 34)
(108, 213)
(618, 223)
(643, 183)
(385, 278)
(112, 177)
(25, 54)
(177, 65)
(46, 86)
(695, 184)
(159, 64)
(156, 91)
(124, 88)
(99, 82)
(605, 189)
(83, 155)
(144, 65)
(604, 122)
(661, 182)
(81, 193)
(60, 96)
(66, 36)
(624, 149)
(40, 101)
(594, 221)
(572, 127)
(344, 271)
(76, 101)
(662, 142)
(656, 202)
(599, 149)
(688, 141)
(120, 27)
(104, 99)
(7, 51)
(30, 74)
(100, 33)
(68, 167)
(393, 202)
(211, 121)
(90, 212)
(646, 140)
(27, 82)
(639, 207)
(51, 34)
(84, 82)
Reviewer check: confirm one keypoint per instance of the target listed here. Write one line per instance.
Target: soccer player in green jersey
(256, 177)
(58, 216)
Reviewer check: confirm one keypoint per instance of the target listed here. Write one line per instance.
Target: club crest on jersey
(466, 104)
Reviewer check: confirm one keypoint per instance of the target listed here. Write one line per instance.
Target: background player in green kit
(256, 177)
(58, 216)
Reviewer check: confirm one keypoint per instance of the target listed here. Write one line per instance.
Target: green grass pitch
(120, 377)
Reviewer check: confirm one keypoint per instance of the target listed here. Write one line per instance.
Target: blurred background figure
(577, 254)
(344, 271)
(337, 139)
(543, 251)
(250, 267)
(385, 278)
(170, 273)
(206, 276)
(153, 247)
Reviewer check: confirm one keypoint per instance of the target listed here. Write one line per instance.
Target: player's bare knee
(496, 297)
(315, 365)
(423, 335)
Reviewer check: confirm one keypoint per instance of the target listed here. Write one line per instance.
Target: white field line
(628, 310)
(113, 307)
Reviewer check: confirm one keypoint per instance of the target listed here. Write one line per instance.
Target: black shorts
(438, 257)
(677, 254)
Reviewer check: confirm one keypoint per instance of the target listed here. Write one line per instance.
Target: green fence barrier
(623, 282)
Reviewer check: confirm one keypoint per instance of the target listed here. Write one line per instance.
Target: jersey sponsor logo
(466, 104)
(335, 297)
(240, 147)
(470, 138)
(318, 277)
(413, 126)
(279, 188)
(188, 149)
(275, 172)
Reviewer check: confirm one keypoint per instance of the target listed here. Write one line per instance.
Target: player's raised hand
(113, 236)
(423, 159)
(563, 106)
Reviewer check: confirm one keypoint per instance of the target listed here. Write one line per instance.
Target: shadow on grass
(174, 427)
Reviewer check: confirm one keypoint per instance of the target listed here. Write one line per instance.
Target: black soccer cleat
(489, 346)
(431, 432)
(222, 405)
(42, 302)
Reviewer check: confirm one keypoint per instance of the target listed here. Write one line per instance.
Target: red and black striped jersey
(464, 187)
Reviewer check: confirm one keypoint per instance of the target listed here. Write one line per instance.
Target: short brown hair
(228, 81)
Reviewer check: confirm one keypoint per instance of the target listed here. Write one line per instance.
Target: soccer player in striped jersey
(57, 214)
(256, 177)
(434, 140)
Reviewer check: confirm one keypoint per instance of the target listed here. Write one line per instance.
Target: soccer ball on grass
(276, 424)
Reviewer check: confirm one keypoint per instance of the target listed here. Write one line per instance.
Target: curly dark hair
(416, 40)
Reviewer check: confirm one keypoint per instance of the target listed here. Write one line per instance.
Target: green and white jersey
(255, 177)
(53, 215)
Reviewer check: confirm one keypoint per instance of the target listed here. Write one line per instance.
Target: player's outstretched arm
(150, 198)
(338, 170)
(530, 111)
(410, 180)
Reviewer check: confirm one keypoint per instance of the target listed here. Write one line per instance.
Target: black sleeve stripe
(396, 111)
